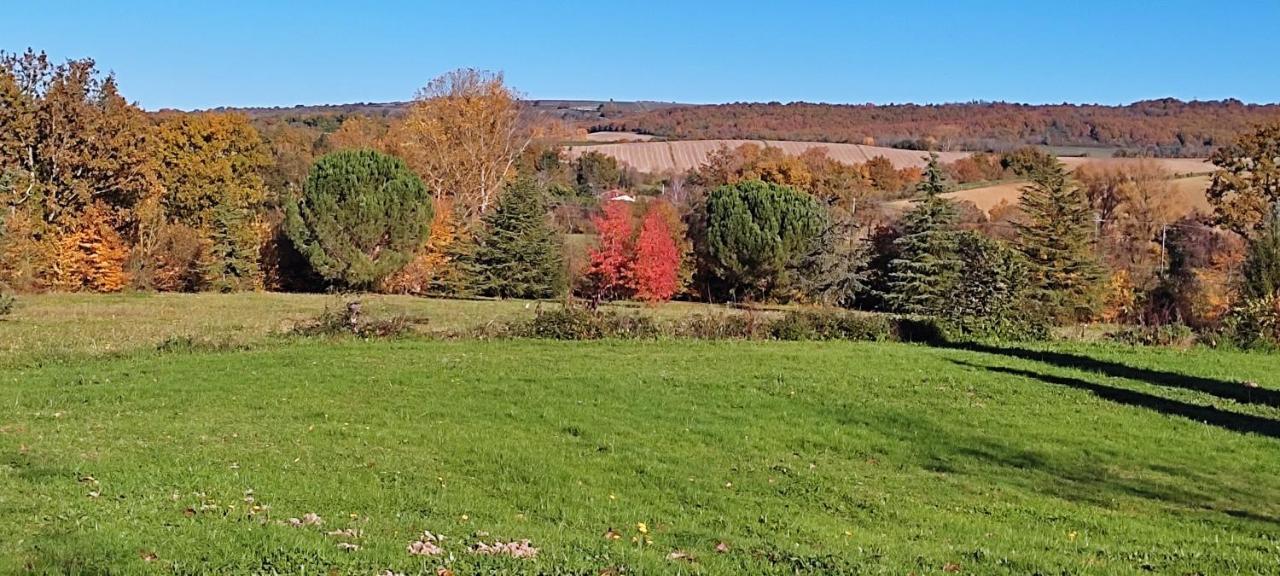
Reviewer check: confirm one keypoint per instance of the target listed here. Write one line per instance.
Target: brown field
(605, 137)
(684, 155)
(1178, 166)
(1188, 195)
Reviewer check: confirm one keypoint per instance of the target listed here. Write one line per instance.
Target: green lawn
(811, 458)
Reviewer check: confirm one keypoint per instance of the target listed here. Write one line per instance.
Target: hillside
(1161, 127)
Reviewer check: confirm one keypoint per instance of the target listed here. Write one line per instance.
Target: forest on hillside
(1167, 127)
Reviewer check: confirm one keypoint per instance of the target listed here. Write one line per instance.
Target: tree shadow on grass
(1244, 423)
(1222, 389)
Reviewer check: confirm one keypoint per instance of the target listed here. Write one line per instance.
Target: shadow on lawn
(1222, 389)
(1207, 414)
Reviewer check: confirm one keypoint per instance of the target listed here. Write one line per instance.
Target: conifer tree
(361, 217)
(927, 266)
(517, 254)
(1262, 264)
(1057, 239)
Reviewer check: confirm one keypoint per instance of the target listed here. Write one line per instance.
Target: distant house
(617, 195)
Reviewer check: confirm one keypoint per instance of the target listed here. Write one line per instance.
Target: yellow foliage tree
(463, 135)
(427, 272)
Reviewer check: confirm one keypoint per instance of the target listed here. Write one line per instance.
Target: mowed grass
(816, 458)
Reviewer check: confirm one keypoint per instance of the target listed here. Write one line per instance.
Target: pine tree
(361, 217)
(927, 266)
(232, 263)
(1057, 239)
(517, 254)
(1262, 265)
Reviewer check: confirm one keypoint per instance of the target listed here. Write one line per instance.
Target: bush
(1164, 335)
(719, 327)
(833, 325)
(1255, 323)
(7, 303)
(349, 319)
(572, 323)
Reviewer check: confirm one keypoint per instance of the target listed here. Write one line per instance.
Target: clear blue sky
(198, 54)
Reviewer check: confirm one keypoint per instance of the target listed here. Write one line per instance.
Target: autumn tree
(757, 232)
(463, 135)
(927, 266)
(610, 265)
(1132, 203)
(359, 131)
(68, 142)
(656, 272)
(211, 169)
(361, 217)
(517, 254)
(1057, 239)
(1247, 183)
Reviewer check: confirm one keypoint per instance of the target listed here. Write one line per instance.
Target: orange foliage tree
(91, 256)
(609, 270)
(657, 261)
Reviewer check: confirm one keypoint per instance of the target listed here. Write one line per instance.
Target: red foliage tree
(656, 271)
(610, 269)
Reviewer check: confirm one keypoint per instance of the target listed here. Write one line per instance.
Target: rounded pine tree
(361, 217)
(758, 232)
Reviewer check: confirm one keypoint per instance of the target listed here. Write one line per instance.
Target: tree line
(465, 194)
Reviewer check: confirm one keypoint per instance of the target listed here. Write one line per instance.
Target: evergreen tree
(361, 217)
(835, 270)
(757, 233)
(233, 255)
(1057, 239)
(1262, 265)
(927, 266)
(517, 254)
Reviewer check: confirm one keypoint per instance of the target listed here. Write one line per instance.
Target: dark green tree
(834, 271)
(757, 233)
(1057, 237)
(361, 217)
(1262, 264)
(517, 254)
(597, 173)
(990, 295)
(926, 268)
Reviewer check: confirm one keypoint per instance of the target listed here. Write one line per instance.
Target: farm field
(682, 155)
(699, 457)
(656, 157)
(1187, 195)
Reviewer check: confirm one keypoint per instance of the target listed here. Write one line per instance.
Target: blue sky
(193, 54)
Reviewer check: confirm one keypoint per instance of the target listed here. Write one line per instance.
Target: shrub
(7, 302)
(1164, 335)
(833, 325)
(1255, 323)
(720, 327)
(349, 319)
(574, 323)
(362, 216)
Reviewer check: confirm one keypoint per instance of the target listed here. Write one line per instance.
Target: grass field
(736, 457)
